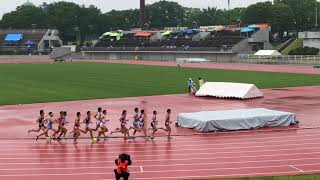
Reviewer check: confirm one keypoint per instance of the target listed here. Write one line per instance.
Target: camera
(125, 157)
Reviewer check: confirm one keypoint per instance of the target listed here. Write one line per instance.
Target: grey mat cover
(239, 119)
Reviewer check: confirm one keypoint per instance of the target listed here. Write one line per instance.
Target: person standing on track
(167, 124)
(192, 87)
(201, 82)
(40, 122)
(189, 85)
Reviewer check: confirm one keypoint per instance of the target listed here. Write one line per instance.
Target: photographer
(122, 166)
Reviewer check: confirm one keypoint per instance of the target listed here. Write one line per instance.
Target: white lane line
(167, 165)
(157, 171)
(275, 148)
(159, 160)
(245, 145)
(216, 176)
(200, 137)
(298, 168)
(265, 143)
(185, 154)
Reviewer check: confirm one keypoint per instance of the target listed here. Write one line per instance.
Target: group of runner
(46, 125)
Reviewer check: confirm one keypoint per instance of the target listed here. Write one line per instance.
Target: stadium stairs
(286, 44)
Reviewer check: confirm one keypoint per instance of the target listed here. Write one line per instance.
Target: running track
(301, 69)
(189, 155)
(276, 151)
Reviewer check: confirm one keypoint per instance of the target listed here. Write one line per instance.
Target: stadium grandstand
(228, 39)
(28, 41)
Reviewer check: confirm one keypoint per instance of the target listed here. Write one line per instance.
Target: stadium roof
(143, 34)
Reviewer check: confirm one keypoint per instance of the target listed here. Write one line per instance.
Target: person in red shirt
(122, 167)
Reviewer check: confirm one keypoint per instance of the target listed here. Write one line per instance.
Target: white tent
(229, 90)
(192, 60)
(267, 53)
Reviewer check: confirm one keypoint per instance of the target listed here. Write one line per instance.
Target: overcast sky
(106, 5)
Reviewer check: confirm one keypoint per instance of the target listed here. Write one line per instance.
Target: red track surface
(303, 69)
(275, 151)
(191, 155)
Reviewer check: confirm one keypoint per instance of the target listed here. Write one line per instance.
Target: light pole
(316, 14)
(142, 14)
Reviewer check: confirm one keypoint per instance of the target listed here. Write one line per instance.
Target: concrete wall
(15, 57)
(22, 31)
(242, 47)
(311, 39)
(311, 43)
(260, 36)
(162, 55)
(309, 35)
(245, 46)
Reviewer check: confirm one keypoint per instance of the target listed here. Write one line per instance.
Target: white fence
(283, 59)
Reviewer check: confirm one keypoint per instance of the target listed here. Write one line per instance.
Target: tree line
(87, 22)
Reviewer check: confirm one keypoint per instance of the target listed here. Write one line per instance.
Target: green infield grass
(34, 83)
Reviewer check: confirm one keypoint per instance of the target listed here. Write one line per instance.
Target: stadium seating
(19, 47)
(218, 40)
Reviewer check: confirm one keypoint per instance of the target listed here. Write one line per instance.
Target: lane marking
(168, 165)
(179, 150)
(158, 160)
(166, 160)
(226, 175)
(159, 172)
(298, 168)
(192, 140)
(62, 148)
(202, 136)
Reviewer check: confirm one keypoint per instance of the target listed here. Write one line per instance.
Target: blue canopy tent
(254, 26)
(13, 37)
(188, 31)
(29, 43)
(246, 30)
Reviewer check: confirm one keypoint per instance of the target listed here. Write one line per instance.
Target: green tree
(282, 19)
(304, 13)
(123, 20)
(258, 13)
(89, 23)
(65, 16)
(25, 17)
(165, 13)
(233, 16)
(210, 16)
